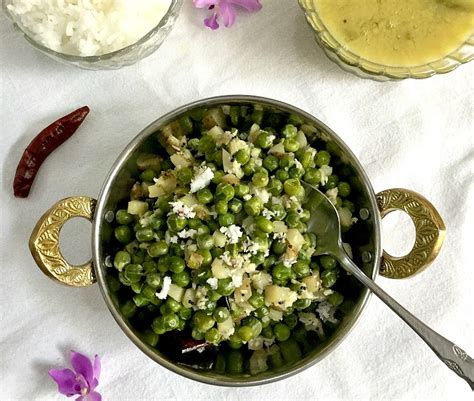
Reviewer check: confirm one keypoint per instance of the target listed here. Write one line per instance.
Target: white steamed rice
(88, 27)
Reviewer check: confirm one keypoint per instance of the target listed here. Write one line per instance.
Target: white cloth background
(413, 134)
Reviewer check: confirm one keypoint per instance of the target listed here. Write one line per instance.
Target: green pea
(218, 176)
(205, 241)
(275, 186)
(150, 338)
(207, 257)
(295, 172)
(245, 333)
(171, 321)
(176, 264)
(140, 300)
(267, 332)
(279, 247)
(270, 163)
(224, 191)
(221, 207)
(282, 175)
(278, 211)
(206, 145)
(269, 262)
(254, 206)
(344, 189)
(322, 158)
(235, 342)
(335, 298)
(291, 145)
(221, 314)
(235, 362)
(147, 175)
(225, 286)
(292, 219)
(328, 278)
(281, 272)
(328, 262)
(312, 176)
(197, 335)
(290, 131)
(260, 179)
(241, 190)
(181, 279)
(176, 223)
(213, 336)
(185, 313)
(286, 162)
(123, 217)
(204, 195)
(122, 259)
(264, 140)
(291, 320)
(185, 175)
(216, 252)
(235, 206)
(290, 350)
(242, 156)
(226, 219)
(301, 304)
(306, 159)
(281, 331)
(123, 279)
(154, 280)
(128, 309)
(175, 249)
(261, 312)
(138, 257)
(350, 205)
(292, 186)
(301, 269)
(193, 144)
(202, 229)
(257, 300)
(173, 305)
(123, 234)
(202, 321)
(113, 283)
(163, 204)
(305, 215)
(258, 258)
(136, 287)
(159, 248)
(331, 182)
(133, 273)
(263, 224)
(250, 167)
(194, 223)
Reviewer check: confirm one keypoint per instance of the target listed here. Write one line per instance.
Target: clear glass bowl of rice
(69, 36)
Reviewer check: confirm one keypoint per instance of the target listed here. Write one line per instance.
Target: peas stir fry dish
(212, 248)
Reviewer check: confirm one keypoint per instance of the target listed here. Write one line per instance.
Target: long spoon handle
(454, 357)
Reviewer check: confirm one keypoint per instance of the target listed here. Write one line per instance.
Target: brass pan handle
(430, 232)
(44, 242)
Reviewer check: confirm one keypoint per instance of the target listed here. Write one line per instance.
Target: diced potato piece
(279, 227)
(230, 179)
(182, 159)
(213, 117)
(149, 160)
(137, 207)
(176, 292)
(237, 144)
(189, 298)
(345, 216)
(202, 212)
(280, 297)
(244, 292)
(226, 161)
(220, 136)
(275, 315)
(258, 362)
(189, 200)
(194, 261)
(295, 238)
(277, 150)
(301, 138)
(164, 185)
(220, 240)
(219, 270)
(313, 282)
(261, 280)
(226, 328)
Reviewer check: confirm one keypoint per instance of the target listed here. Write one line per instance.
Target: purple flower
(226, 9)
(81, 381)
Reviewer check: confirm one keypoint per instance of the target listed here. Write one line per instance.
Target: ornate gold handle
(430, 232)
(44, 242)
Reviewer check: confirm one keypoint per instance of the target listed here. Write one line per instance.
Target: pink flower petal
(228, 13)
(249, 5)
(66, 380)
(97, 367)
(83, 366)
(93, 396)
(211, 22)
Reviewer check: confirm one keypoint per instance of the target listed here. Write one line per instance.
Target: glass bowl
(110, 61)
(363, 68)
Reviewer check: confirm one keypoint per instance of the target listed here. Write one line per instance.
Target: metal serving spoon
(325, 224)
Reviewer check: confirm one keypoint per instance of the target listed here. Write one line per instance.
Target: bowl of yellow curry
(394, 39)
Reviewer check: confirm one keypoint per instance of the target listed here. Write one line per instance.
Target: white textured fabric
(412, 134)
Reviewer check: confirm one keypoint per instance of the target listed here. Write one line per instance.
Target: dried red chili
(42, 146)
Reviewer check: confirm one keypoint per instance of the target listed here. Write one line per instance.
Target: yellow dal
(399, 32)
